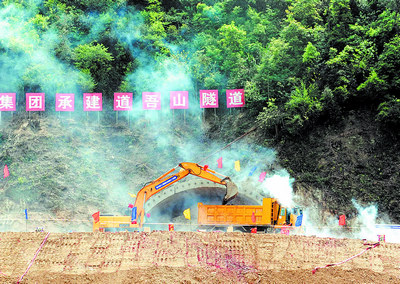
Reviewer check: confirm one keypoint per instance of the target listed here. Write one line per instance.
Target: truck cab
(288, 216)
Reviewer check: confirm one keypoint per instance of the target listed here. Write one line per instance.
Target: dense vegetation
(307, 66)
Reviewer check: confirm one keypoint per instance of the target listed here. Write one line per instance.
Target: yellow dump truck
(269, 215)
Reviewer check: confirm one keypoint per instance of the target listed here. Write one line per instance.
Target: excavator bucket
(231, 191)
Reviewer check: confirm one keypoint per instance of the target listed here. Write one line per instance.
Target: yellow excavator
(136, 220)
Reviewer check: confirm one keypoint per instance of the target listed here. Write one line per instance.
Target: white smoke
(366, 224)
(279, 186)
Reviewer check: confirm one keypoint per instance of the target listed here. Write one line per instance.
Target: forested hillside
(321, 77)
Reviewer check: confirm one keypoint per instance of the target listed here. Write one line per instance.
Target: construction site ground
(192, 257)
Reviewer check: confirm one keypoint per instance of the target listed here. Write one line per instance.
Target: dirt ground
(192, 257)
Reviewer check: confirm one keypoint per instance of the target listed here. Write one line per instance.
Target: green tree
(303, 107)
(389, 65)
(95, 60)
(154, 31)
(339, 18)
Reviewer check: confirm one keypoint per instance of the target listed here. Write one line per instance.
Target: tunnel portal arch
(245, 195)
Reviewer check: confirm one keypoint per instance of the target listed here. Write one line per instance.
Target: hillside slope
(69, 168)
(350, 159)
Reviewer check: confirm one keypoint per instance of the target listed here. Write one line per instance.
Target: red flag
(205, 167)
(6, 172)
(96, 216)
(253, 217)
(219, 163)
(262, 176)
(254, 230)
(342, 220)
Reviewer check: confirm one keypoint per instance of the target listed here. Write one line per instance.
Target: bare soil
(193, 257)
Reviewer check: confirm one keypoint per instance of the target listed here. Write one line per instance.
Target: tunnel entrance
(170, 210)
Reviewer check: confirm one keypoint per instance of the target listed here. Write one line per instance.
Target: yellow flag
(237, 166)
(186, 213)
(132, 195)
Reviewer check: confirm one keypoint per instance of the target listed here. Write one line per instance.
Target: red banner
(253, 217)
(219, 163)
(6, 171)
(96, 216)
(342, 220)
(285, 230)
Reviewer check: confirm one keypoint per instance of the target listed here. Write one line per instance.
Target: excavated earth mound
(192, 257)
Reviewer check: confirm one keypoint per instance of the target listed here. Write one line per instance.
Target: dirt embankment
(192, 257)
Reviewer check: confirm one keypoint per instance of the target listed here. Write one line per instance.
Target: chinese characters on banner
(209, 98)
(92, 102)
(65, 102)
(7, 102)
(235, 98)
(179, 100)
(35, 102)
(151, 100)
(123, 101)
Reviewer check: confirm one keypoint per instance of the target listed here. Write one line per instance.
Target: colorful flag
(219, 163)
(342, 220)
(252, 171)
(26, 214)
(133, 215)
(237, 166)
(6, 171)
(186, 213)
(299, 220)
(262, 176)
(285, 231)
(253, 217)
(96, 216)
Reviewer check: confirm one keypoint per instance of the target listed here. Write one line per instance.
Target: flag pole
(26, 219)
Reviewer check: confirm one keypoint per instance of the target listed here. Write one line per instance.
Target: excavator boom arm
(168, 179)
